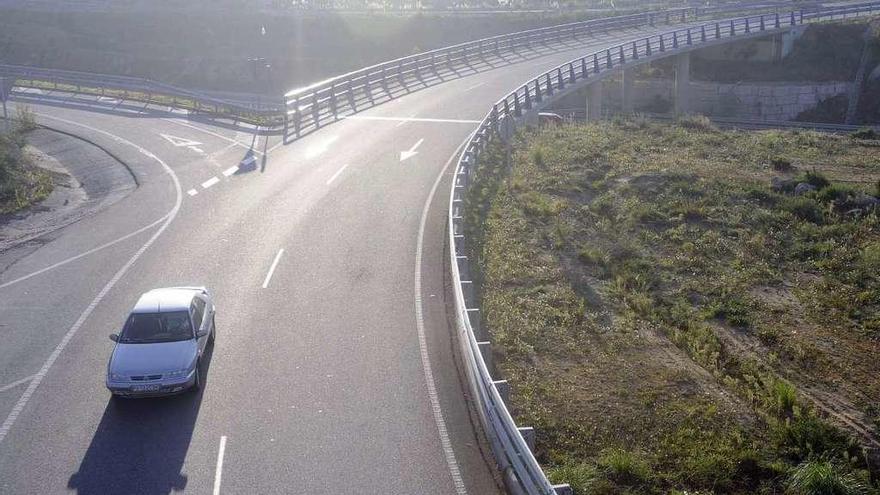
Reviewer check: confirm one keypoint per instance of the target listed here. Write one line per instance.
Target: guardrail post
(596, 63)
(748, 29)
(516, 107)
(433, 64)
(528, 97)
(351, 99)
(368, 91)
(549, 86)
(571, 76)
(689, 39)
(703, 33)
(635, 54)
(465, 56)
(497, 49)
(717, 30)
(560, 83)
(384, 77)
(608, 63)
(333, 100)
(732, 28)
(674, 40)
(648, 47)
(506, 107)
(538, 91)
(762, 22)
(776, 22)
(801, 15)
(662, 44)
(621, 56)
(297, 117)
(400, 78)
(494, 117)
(448, 60)
(584, 68)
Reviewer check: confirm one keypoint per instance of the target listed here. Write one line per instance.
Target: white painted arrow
(179, 141)
(411, 152)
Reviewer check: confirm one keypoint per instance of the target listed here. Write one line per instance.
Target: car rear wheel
(197, 384)
(213, 329)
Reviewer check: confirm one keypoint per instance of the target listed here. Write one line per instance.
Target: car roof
(165, 300)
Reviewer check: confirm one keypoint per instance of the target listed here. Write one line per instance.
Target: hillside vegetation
(679, 308)
(21, 183)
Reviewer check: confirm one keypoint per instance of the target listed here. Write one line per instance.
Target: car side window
(198, 313)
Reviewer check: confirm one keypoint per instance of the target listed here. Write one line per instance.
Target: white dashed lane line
(230, 171)
(192, 192)
(210, 182)
(218, 474)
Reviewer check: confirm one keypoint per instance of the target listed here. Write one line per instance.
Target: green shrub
(817, 179)
(730, 309)
(805, 208)
(835, 192)
(697, 123)
(780, 164)
(624, 467)
(783, 398)
(865, 133)
(824, 477)
(871, 258)
(808, 436)
(582, 477)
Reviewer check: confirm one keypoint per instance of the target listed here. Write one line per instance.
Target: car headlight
(116, 376)
(177, 373)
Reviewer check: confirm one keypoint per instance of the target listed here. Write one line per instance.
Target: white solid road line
(192, 192)
(230, 171)
(219, 473)
(210, 182)
(445, 442)
(38, 377)
(272, 268)
(90, 251)
(331, 179)
(16, 383)
(411, 119)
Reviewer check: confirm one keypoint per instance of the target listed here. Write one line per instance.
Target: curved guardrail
(512, 452)
(310, 107)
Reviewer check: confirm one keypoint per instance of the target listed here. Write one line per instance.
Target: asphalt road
(317, 382)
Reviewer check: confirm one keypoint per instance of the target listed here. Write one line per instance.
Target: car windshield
(150, 328)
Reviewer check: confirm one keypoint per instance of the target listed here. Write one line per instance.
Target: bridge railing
(522, 472)
(313, 106)
(264, 112)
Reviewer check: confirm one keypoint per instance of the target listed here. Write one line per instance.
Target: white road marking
(81, 255)
(219, 472)
(197, 149)
(16, 383)
(331, 179)
(210, 182)
(405, 155)
(449, 453)
(40, 375)
(403, 122)
(230, 171)
(475, 86)
(210, 133)
(179, 141)
(192, 192)
(272, 268)
(412, 119)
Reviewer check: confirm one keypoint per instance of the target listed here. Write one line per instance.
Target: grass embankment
(669, 321)
(21, 183)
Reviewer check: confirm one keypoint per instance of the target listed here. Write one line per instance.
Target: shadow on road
(141, 444)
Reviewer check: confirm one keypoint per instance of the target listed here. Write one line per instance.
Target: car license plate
(145, 388)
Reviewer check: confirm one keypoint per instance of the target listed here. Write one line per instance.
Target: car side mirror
(114, 337)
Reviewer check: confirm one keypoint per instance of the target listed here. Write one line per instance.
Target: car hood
(143, 359)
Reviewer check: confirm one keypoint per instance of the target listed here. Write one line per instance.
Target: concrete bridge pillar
(682, 83)
(594, 101)
(626, 91)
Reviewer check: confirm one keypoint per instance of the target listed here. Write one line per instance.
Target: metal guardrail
(521, 471)
(137, 89)
(310, 107)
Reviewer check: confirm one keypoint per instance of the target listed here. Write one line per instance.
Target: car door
(199, 322)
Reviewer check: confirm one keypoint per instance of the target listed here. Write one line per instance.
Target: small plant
(805, 208)
(815, 178)
(835, 192)
(865, 133)
(581, 477)
(25, 119)
(624, 467)
(697, 123)
(780, 164)
(783, 398)
(824, 477)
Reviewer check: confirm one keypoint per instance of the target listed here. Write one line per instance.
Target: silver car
(159, 350)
